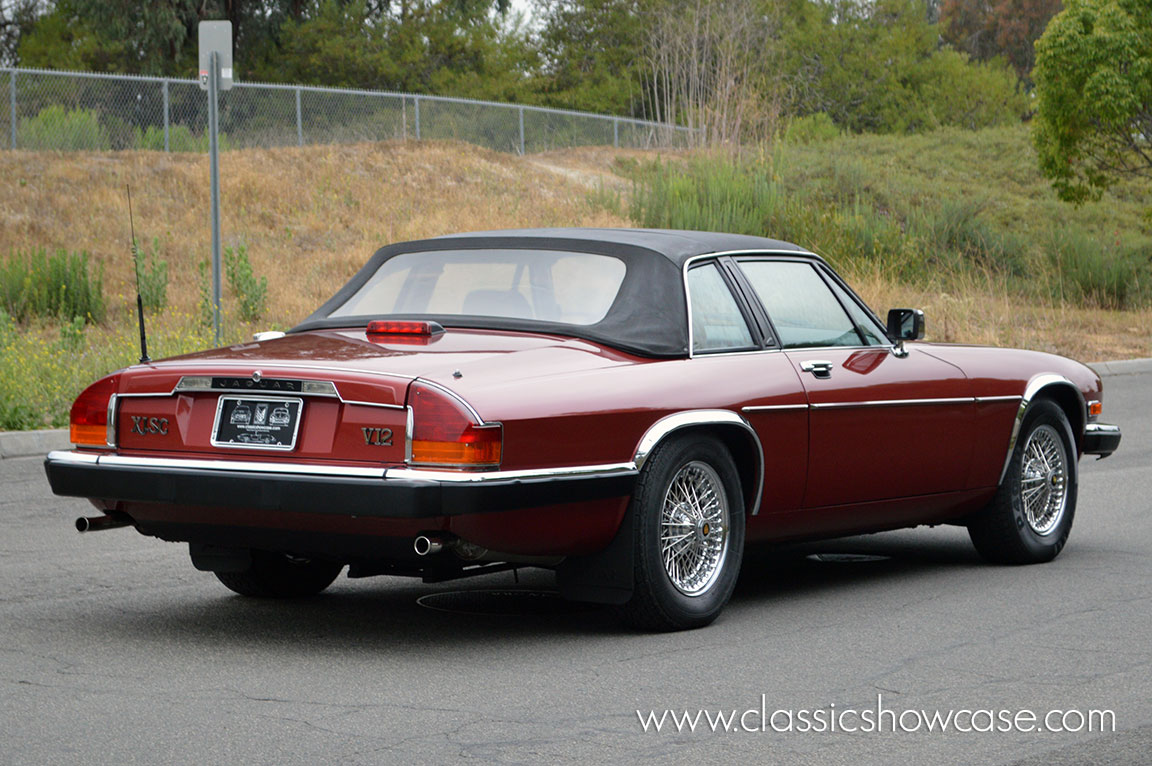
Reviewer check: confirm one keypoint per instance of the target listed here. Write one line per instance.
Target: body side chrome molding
(773, 407)
(674, 422)
(302, 469)
(1034, 387)
(880, 403)
(894, 402)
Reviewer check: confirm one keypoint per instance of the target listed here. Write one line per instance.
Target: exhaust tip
(424, 545)
(97, 523)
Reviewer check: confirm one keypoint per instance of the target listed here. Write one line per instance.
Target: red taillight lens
(88, 422)
(394, 327)
(445, 433)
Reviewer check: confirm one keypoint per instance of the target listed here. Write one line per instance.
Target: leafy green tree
(879, 68)
(592, 53)
(1094, 82)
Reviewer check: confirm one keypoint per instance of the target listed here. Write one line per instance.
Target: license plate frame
(257, 422)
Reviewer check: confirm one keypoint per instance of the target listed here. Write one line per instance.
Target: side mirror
(905, 324)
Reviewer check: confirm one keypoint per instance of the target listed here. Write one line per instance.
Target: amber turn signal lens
(1095, 408)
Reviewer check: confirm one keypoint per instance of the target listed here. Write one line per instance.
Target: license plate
(257, 422)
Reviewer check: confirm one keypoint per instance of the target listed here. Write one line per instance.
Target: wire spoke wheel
(694, 522)
(1043, 480)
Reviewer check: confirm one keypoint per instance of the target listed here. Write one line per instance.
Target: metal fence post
(416, 110)
(521, 110)
(166, 120)
(214, 182)
(12, 104)
(616, 134)
(299, 121)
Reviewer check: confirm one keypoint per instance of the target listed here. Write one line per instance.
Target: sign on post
(216, 37)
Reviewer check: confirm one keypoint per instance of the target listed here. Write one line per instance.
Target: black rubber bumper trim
(345, 496)
(1102, 443)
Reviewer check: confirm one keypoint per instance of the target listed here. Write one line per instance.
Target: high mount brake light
(88, 421)
(397, 327)
(445, 433)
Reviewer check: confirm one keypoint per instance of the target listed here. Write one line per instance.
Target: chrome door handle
(817, 367)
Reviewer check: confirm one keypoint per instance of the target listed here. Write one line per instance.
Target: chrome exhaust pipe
(97, 523)
(426, 546)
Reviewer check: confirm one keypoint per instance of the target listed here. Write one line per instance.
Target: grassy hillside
(309, 217)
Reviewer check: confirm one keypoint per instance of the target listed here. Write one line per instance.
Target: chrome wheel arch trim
(669, 424)
(1035, 387)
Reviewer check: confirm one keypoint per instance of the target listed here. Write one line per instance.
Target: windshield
(544, 285)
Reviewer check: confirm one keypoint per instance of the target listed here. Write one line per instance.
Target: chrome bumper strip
(302, 469)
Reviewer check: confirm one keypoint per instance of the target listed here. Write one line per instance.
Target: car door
(881, 425)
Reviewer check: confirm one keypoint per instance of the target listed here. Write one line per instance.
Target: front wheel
(278, 575)
(1030, 517)
(688, 517)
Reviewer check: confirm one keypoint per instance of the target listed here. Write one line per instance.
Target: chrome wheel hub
(1043, 480)
(694, 529)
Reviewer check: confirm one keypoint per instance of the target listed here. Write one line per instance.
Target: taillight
(88, 422)
(445, 433)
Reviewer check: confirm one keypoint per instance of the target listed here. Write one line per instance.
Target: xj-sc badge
(144, 425)
(377, 437)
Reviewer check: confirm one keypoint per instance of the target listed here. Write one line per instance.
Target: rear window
(544, 285)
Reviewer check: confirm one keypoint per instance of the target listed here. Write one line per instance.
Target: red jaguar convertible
(629, 408)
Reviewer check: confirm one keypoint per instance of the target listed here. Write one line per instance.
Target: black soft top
(649, 316)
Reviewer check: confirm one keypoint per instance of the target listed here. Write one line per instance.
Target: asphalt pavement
(114, 650)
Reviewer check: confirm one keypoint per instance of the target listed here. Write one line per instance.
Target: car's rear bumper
(351, 491)
(1101, 439)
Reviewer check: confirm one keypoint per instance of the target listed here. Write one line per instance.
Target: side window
(874, 335)
(717, 323)
(802, 308)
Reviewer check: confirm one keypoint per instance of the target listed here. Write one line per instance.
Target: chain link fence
(75, 111)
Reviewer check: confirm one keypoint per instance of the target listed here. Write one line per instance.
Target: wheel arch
(728, 426)
(1061, 391)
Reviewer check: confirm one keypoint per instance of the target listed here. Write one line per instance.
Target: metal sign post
(215, 75)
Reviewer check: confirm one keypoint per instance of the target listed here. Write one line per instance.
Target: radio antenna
(136, 264)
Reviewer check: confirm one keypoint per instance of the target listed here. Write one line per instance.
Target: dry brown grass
(311, 216)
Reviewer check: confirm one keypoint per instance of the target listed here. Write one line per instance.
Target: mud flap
(605, 577)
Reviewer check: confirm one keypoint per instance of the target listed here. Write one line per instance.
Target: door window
(802, 308)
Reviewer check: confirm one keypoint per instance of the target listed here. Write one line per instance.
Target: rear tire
(688, 513)
(276, 575)
(1030, 517)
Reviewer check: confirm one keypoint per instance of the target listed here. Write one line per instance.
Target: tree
(985, 29)
(16, 19)
(1094, 83)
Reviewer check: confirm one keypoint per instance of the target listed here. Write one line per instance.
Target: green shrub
(811, 129)
(957, 230)
(180, 139)
(1091, 272)
(72, 335)
(57, 128)
(60, 285)
(205, 307)
(153, 276)
(252, 293)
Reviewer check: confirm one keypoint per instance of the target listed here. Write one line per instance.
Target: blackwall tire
(1030, 517)
(276, 575)
(688, 513)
